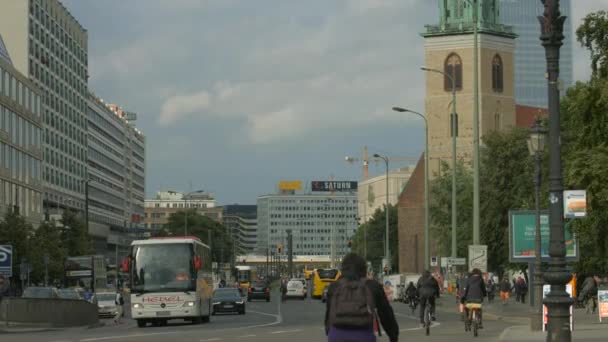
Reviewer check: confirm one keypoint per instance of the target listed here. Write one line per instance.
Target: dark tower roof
(4, 52)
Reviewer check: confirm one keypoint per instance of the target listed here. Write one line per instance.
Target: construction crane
(365, 161)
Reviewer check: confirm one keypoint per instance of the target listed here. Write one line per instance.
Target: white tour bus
(170, 278)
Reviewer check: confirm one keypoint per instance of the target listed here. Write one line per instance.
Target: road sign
(456, 261)
(478, 257)
(6, 260)
(434, 261)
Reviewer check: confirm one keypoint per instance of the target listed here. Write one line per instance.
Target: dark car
(228, 300)
(259, 290)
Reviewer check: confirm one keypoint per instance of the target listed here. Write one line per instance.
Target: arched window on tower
(453, 67)
(497, 74)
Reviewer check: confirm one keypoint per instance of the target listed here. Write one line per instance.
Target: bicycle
(413, 303)
(427, 317)
(473, 321)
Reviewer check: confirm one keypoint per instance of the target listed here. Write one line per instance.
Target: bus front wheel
(141, 323)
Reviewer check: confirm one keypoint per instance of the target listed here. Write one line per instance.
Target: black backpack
(352, 305)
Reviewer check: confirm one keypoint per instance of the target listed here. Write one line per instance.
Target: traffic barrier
(54, 312)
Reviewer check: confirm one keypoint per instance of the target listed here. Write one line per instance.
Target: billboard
(522, 237)
(575, 203)
(6, 260)
(290, 185)
(333, 186)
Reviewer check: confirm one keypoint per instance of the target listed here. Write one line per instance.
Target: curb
(96, 325)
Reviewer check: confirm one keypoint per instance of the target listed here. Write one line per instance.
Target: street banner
(334, 186)
(575, 203)
(478, 258)
(602, 299)
(6, 260)
(522, 237)
(546, 290)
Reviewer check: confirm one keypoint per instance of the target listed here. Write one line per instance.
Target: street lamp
(454, 125)
(536, 145)
(185, 197)
(427, 244)
(558, 301)
(387, 254)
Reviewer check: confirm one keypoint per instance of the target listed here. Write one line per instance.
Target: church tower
(449, 47)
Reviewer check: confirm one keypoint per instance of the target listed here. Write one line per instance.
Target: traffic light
(280, 248)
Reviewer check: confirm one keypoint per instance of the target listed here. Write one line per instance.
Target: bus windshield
(163, 267)
(244, 276)
(327, 274)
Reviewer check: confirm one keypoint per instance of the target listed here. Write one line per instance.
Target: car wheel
(141, 323)
(197, 320)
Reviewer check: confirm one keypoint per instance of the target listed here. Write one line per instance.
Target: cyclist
(428, 290)
(474, 292)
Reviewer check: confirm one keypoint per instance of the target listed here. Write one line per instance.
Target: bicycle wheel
(427, 319)
(475, 324)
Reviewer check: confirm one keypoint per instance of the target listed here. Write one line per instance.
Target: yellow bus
(244, 276)
(322, 278)
(308, 271)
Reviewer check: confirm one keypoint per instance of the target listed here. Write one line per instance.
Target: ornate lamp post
(558, 301)
(536, 145)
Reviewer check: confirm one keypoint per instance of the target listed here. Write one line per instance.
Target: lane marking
(212, 339)
(106, 338)
(285, 331)
(245, 336)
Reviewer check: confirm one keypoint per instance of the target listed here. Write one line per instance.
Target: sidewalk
(16, 328)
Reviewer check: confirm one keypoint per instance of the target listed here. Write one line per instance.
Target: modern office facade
(113, 208)
(372, 192)
(312, 218)
(20, 142)
(49, 45)
(530, 63)
(159, 209)
(242, 224)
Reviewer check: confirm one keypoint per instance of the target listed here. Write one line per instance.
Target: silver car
(106, 304)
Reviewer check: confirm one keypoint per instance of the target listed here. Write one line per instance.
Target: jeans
(423, 301)
(350, 335)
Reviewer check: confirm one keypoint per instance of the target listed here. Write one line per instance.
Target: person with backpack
(474, 293)
(120, 303)
(354, 304)
(428, 290)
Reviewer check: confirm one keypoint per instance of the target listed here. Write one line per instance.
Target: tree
(441, 209)
(47, 241)
(15, 231)
(374, 232)
(75, 236)
(593, 34)
(221, 243)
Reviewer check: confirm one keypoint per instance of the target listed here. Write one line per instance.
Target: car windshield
(68, 294)
(226, 295)
(163, 267)
(294, 285)
(106, 297)
(327, 274)
(38, 292)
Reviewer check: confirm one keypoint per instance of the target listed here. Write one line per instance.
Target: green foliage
(222, 246)
(15, 231)
(441, 209)
(75, 235)
(47, 241)
(374, 231)
(593, 34)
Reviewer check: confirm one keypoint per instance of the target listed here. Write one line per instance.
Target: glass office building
(530, 64)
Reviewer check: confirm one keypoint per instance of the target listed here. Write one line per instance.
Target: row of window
(11, 87)
(181, 205)
(105, 125)
(104, 146)
(27, 200)
(21, 131)
(310, 201)
(307, 208)
(23, 167)
(63, 180)
(453, 73)
(66, 127)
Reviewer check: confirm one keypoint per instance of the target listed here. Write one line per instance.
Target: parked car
(228, 300)
(40, 292)
(70, 293)
(304, 282)
(259, 290)
(296, 289)
(106, 304)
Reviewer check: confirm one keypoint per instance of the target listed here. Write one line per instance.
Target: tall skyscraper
(48, 44)
(530, 64)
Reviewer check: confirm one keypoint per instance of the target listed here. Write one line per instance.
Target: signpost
(522, 235)
(478, 258)
(6, 260)
(602, 300)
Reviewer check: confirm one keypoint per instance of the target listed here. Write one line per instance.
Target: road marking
(212, 339)
(106, 338)
(245, 336)
(285, 331)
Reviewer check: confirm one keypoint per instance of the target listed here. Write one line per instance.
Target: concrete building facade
(312, 218)
(449, 48)
(158, 210)
(20, 142)
(48, 45)
(371, 194)
(242, 224)
(530, 63)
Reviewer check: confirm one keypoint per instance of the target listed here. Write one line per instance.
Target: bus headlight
(138, 306)
(189, 304)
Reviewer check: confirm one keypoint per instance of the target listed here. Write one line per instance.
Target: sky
(236, 95)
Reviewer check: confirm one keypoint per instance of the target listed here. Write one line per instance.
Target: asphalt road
(294, 321)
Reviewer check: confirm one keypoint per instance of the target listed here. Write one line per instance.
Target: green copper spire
(458, 17)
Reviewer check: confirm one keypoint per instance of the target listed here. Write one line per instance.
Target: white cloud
(179, 106)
